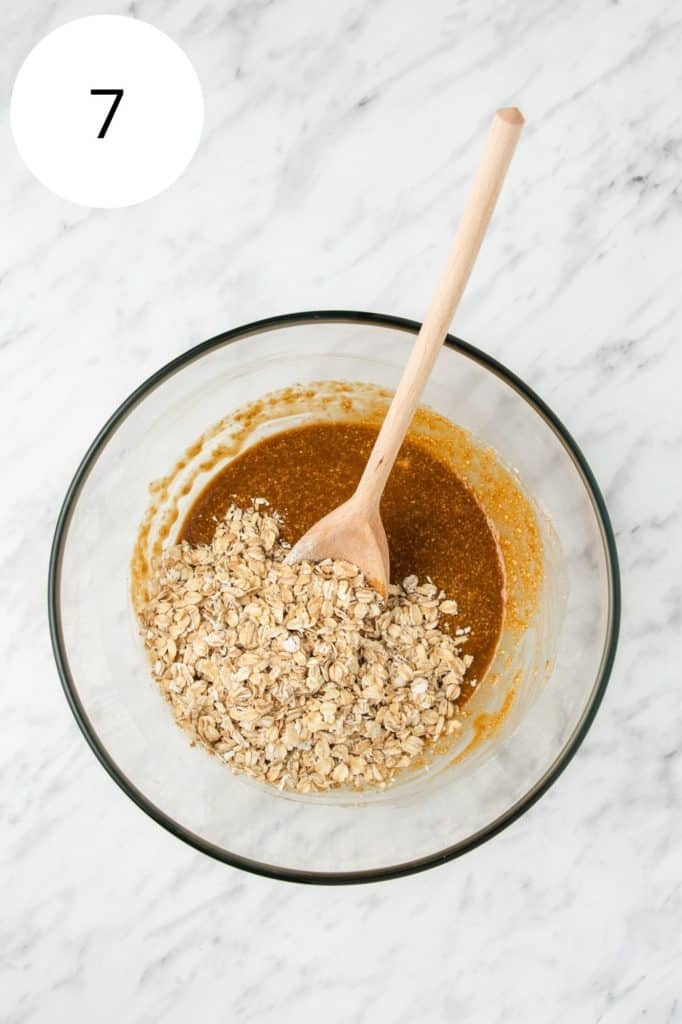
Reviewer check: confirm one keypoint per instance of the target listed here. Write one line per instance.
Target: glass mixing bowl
(432, 816)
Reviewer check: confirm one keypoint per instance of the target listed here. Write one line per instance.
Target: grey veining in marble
(339, 139)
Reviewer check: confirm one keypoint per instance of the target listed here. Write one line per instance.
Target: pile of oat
(299, 675)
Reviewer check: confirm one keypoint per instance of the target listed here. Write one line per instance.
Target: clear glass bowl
(430, 818)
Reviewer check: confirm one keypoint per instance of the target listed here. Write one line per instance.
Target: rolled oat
(299, 675)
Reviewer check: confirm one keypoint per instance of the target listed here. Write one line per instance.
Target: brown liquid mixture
(435, 526)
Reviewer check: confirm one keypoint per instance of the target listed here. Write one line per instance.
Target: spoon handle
(502, 139)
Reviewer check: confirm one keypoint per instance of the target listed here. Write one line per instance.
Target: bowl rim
(504, 820)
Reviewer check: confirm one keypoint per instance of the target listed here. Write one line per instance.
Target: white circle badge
(107, 111)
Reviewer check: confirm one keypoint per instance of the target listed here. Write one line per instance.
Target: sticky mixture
(300, 675)
(435, 526)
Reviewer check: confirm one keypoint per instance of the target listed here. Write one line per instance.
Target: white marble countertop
(337, 146)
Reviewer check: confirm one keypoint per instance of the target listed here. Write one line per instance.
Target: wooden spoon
(354, 532)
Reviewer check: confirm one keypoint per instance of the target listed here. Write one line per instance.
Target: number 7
(118, 93)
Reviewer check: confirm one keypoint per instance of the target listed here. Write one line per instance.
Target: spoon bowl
(348, 534)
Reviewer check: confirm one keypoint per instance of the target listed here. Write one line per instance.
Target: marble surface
(337, 146)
